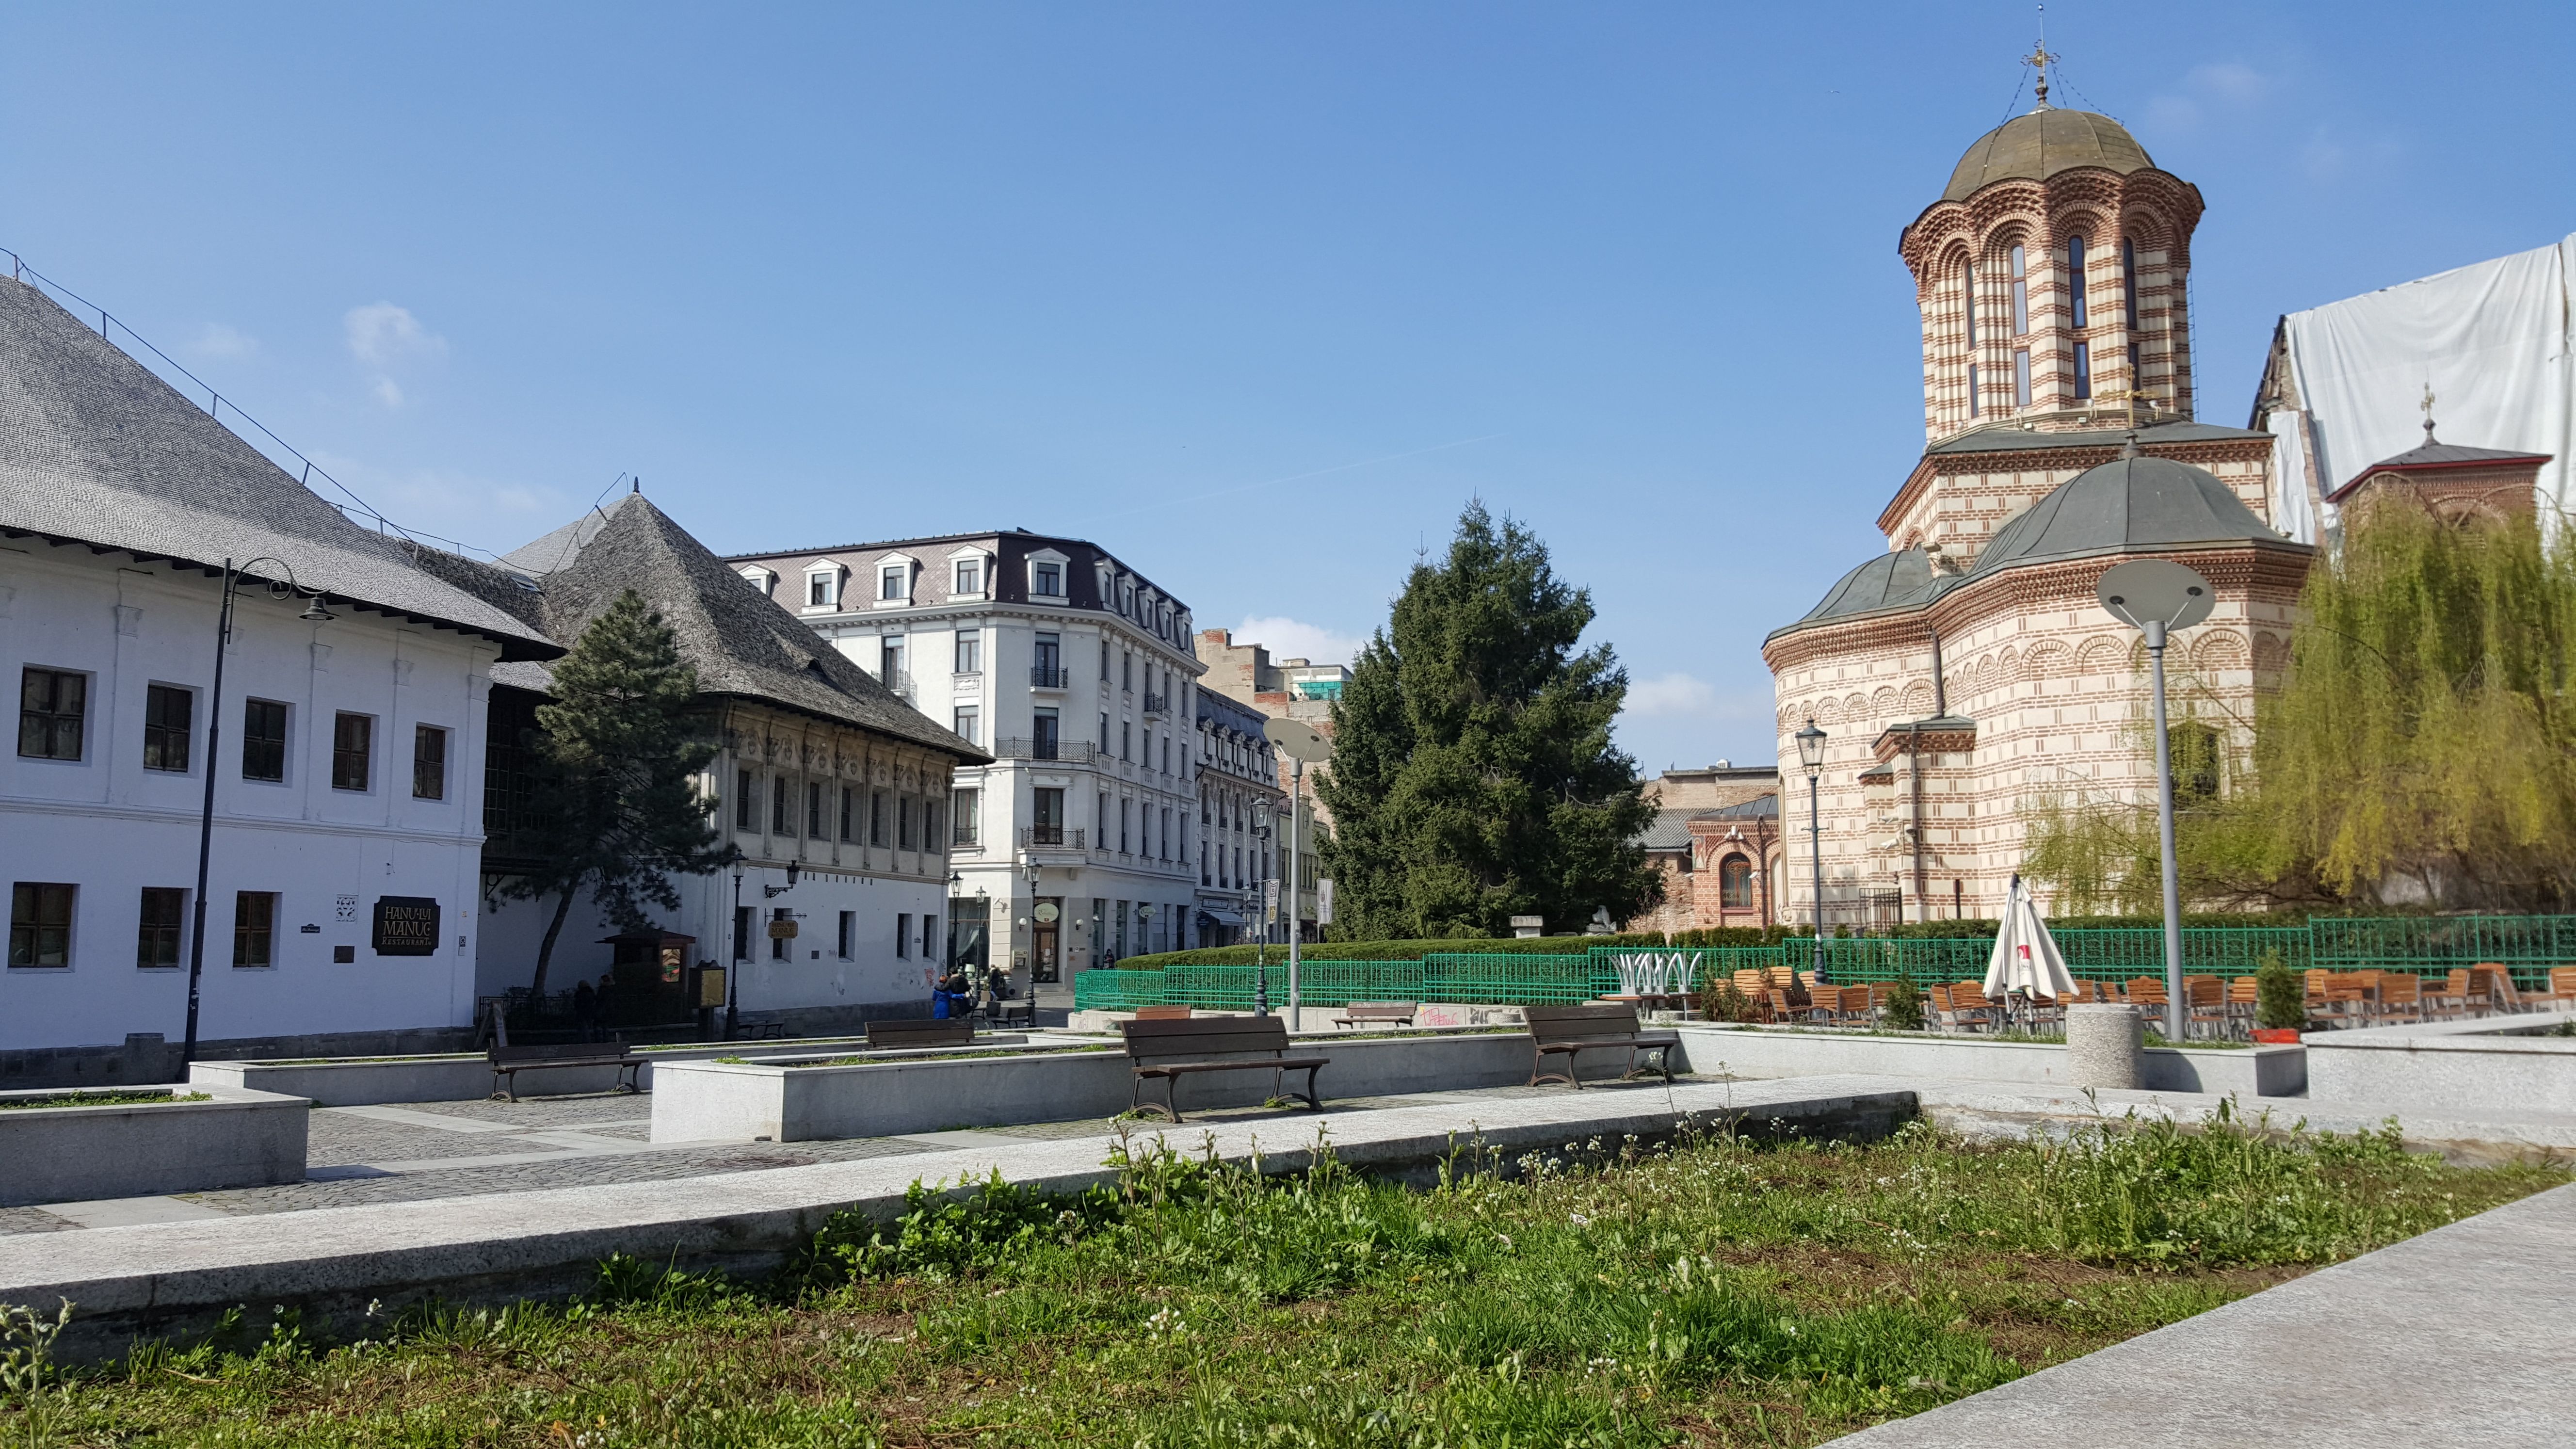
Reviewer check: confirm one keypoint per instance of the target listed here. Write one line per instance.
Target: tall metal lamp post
(1811, 754)
(1304, 745)
(742, 954)
(313, 613)
(1261, 950)
(2157, 596)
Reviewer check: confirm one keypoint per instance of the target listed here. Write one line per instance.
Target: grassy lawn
(1717, 1293)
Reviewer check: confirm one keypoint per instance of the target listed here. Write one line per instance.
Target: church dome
(1895, 580)
(2128, 505)
(2038, 145)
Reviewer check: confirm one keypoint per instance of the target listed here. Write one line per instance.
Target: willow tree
(2424, 743)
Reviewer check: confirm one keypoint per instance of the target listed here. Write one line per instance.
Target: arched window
(2020, 292)
(2077, 315)
(1968, 298)
(1735, 883)
(2195, 762)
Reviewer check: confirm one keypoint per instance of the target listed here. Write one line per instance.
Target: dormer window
(762, 580)
(823, 587)
(970, 576)
(894, 583)
(1046, 575)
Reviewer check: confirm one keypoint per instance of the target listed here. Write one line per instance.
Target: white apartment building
(1240, 816)
(1078, 844)
(339, 910)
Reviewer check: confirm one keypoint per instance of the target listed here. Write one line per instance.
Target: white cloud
(387, 393)
(223, 343)
(1672, 695)
(382, 334)
(2209, 91)
(1290, 639)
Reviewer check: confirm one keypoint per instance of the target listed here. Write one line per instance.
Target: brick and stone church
(1967, 675)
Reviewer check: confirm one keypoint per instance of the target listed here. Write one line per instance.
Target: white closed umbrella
(2026, 959)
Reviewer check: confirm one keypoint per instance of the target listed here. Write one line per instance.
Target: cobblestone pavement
(409, 1153)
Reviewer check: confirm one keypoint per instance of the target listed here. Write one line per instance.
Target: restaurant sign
(406, 926)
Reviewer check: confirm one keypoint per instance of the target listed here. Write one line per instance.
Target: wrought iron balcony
(1071, 839)
(897, 680)
(1046, 676)
(1073, 752)
(1158, 704)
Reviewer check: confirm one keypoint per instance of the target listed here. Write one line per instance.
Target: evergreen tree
(618, 809)
(1473, 777)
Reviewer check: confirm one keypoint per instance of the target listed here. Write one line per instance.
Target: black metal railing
(1069, 751)
(1046, 676)
(1158, 704)
(1051, 835)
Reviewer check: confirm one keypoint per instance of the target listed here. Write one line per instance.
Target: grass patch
(1718, 1293)
(123, 1097)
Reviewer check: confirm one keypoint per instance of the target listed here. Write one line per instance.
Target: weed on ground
(1717, 1292)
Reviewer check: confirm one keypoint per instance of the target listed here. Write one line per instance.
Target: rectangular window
(814, 810)
(893, 581)
(1126, 810)
(778, 806)
(742, 923)
(876, 817)
(746, 797)
(2020, 295)
(2075, 282)
(428, 763)
(2083, 369)
(1126, 737)
(254, 928)
(969, 723)
(964, 816)
(1046, 668)
(1047, 579)
(1972, 389)
(53, 704)
(1167, 754)
(1122, 928)
(818, 590)
(902, 935)
(40, 923)
(1104, 661)
(1104, 729)
(849, 809)
(1045, 735)
(2129, 280)
(849, 937)
(781, 947)
(353, 739)
(1127, 672)
(2021, 379)
(1100, 823)
(931, 839)
(929, 936)
(970, 577)
(905, 836)
(263, 740)
(1046, 826)
(156, 938)
(1167, 832)
(168, 714)
(1968, 296)
(970, 651)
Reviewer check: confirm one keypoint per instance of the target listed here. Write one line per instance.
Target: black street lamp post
(313, 613)
(1811, 754)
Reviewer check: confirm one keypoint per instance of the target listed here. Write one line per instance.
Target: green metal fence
(2529, 945)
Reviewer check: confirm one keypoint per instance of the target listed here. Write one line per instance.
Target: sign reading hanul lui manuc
(406, 926)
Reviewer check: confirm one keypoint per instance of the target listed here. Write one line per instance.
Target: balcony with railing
(899, 681)
(1051, 835)
(1071, 752)
(1046, 676)
(1158, 703)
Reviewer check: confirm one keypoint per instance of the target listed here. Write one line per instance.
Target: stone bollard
(2105, 1046)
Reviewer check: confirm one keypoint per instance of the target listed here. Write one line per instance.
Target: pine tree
(618, 809)
(1473, 775)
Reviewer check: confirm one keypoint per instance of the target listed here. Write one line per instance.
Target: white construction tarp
(2492, 340)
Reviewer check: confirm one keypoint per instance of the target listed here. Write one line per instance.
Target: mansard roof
(739, 642)
(96, 449)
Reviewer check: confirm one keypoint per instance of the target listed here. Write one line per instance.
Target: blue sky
(1255, 296)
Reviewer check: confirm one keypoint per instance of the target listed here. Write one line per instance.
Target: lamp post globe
(1811, 755)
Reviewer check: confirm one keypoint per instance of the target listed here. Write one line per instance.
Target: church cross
(2428, 414)
(2040, 55)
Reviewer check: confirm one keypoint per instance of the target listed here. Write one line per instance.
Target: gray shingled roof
(1903, 579)
(2128, 505)
(738, 641)
(1234, 714)
(2008, 438)
(1669, 830)
(1760, 806)
(2430, 454)
(96, 449)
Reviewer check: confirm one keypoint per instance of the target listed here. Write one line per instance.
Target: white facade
(1077, 675)
(109, 827)
(1241, 817)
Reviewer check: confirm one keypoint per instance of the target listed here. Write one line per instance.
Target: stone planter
(773, 1099)
(77, 1153)
(2263, 1071)
(2493, 1063)
(461, 1077)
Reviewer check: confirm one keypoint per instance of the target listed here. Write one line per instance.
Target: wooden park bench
(1171, 1049)
(904, 1032)
(508, 1061)
(1603, 1025)
(1162, 1013)
(1360, 1013)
